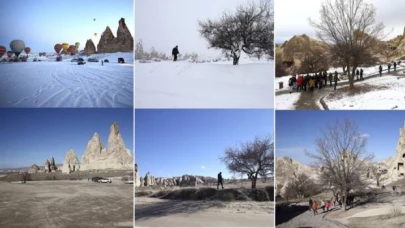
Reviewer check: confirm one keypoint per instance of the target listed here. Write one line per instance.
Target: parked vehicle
(129, 182)
(104, 180)
(96, 179)
(106, 61)
(74, 60)
(93, 60)
(121, 60)
(81, 61)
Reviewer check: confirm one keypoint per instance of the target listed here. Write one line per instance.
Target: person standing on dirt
(315, 207)
(380, 70)
(220, 180)
(310, 204)
(361, 75)
(175, 52)
(395, 66)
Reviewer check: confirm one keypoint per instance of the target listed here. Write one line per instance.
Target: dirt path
(307, 219)
(151, 212)
(65, 204)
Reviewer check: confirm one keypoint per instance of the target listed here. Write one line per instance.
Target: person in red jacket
(299, 83)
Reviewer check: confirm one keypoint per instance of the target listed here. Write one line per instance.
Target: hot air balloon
(57, 48)
(94, 19)
(10, 53)
(95, 34)
(17, 46)
(65, 46)
(3, 51)
(27, 50)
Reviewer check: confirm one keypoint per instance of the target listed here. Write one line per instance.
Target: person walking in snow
(389, 67)
(361, 75)
(336, 79)
(380, 70)
(102, 63)
(220, 180)
(330, 78)
(395, 66)
(175, 52)
(310, 204)
(357, 74)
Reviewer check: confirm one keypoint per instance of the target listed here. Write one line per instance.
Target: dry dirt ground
(65, 204)
(153, 212)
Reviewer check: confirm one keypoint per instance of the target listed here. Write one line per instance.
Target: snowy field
(390, 95)
(65, 84)
(204, 85)
(287, 101)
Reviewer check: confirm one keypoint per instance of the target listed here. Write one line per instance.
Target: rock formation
(71, 163)
(115, 156)
(47, 167)
(137, 177)
(52, 165)
(34, 169)
(124, 42)
(393, 168)
(89, 48)
(286, 169)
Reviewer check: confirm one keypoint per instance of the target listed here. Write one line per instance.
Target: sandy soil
(153, 212)
(65, 204)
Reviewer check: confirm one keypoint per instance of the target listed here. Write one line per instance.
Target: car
(74, 60)
(80, 61)
(106, 61)
(121, 60)
(94, 60)
(129, 182)
(96, 179)
(59, 58)
(104, 180)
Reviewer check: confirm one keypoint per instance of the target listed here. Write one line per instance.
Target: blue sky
(31, 136)
(190, 141)
(297, 131)
(43, 23)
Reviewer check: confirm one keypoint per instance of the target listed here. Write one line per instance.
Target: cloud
(202, 167)
(363, 136)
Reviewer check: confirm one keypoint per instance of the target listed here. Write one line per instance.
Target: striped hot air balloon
(57, 48)
(27, 50)
(3, 51)
(17, 46)
(10, 53)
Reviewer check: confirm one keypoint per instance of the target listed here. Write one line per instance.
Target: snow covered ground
(287, 101)
(391, 95)
(204, 85)
(65, 84)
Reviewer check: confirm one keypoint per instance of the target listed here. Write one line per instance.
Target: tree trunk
(344, 199)
(378, 182)
(254, 179)
(351, 77)
(235, 59)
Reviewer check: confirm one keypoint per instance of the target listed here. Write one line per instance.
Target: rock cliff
(124, 42)
(71, 162)
(89, 48)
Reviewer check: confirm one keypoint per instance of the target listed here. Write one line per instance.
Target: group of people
(325, 205)
(312, 82)
(380, 68)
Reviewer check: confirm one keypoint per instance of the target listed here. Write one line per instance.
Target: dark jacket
(335, 79)
(175, 51)
(219, 177)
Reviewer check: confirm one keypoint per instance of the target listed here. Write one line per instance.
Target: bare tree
(314, 61)
(250, 29)
(254, 159)
(350, 30)
(341, 152)
(376, 173)
(300, 186)
(139, 53)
